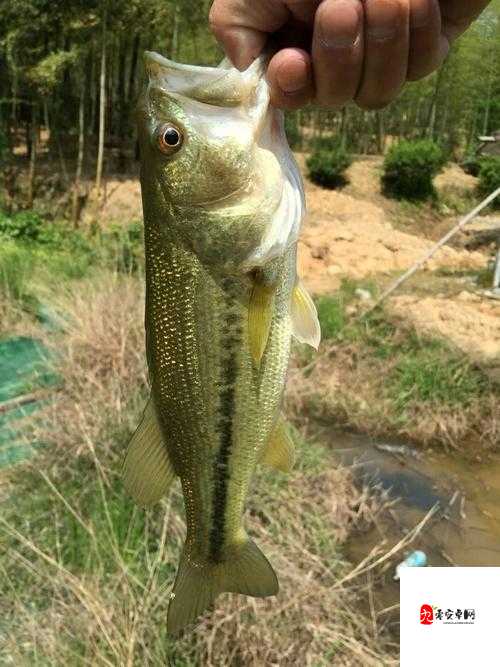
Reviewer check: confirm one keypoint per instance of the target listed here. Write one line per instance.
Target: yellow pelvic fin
(305, 323)
(279, 451)
(245, 570)
(260, 313)
(147, 470)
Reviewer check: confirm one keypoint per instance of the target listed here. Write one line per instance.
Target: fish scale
(222, 202)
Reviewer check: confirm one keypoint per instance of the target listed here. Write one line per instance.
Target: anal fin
(279, 451)
(305, 323)
(147, 470)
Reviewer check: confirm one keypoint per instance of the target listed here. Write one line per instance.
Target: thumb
(242, 27)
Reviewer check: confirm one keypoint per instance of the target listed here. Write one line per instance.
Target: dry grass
(85, 576)
(351, 388)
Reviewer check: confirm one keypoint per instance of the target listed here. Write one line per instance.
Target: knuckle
(216, 20)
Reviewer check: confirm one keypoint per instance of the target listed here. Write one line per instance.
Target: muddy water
(465, 530)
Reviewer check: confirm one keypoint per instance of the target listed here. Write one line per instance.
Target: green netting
(25, 367)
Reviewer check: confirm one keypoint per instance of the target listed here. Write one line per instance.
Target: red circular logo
(426, 614)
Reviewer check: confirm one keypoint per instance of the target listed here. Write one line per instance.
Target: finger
(242, 26)
(290, 78)
(337, 51)
(386, 37)
(427, 47)
(457, 15)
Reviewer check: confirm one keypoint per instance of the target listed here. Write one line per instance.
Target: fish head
(216, 172)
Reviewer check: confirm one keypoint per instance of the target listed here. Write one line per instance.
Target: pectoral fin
(279, 451)
(305, 323)
(260, 313)
(147, 470)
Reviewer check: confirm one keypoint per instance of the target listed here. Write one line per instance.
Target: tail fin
(196, 586)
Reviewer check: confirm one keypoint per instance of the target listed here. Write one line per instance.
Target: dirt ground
(351, 234)
(469, 321)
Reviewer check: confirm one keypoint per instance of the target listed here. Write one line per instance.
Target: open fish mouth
(223, 86)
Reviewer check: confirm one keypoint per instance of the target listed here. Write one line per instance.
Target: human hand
(335, 51)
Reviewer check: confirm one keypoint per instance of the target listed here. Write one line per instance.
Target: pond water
(465, 531)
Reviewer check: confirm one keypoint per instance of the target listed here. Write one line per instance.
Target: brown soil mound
(356, 241)
(468, 321)
(454, 178)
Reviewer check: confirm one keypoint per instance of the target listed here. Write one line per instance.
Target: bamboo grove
(70, 71)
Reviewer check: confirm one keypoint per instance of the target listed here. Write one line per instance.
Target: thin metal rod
(425, 258)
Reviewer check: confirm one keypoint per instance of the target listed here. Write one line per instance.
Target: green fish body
(223, 201)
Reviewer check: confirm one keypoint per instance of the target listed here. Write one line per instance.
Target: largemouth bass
(223, 201)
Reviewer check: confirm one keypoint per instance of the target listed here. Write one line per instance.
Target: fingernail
(241, 47)
(294, 80)
(382, 19)
(340, 30)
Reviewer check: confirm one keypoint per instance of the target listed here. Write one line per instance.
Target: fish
(223, 202)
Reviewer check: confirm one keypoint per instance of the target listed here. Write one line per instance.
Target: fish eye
(169, 139)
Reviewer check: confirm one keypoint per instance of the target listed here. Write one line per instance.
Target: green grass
(62, 255)
(456, 200)
(15, 269)
(420, 369)
(429, 371)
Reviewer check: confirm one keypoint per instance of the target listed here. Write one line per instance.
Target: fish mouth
(223, 86)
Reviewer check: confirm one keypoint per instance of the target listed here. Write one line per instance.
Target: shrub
(489, 177)
(25, 225)
(409, 169)
(326, 167)
(470, 165)
(327, 142)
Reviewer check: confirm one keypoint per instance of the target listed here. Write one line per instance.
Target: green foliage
(292, 129)
(327, 167)
(326, 142)
(48, 72)
(489, 177)
(409, 168)
(123, 247)
(31, 247)
(15, 269)
(470, 163)
(25, 225)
